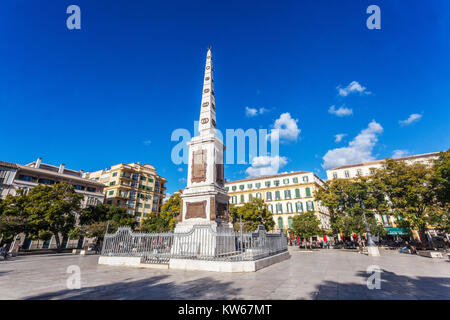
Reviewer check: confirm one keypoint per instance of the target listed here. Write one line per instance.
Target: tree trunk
(424, 237)
(58, 243)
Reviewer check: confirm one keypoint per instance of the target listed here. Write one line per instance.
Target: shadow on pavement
(393, 286)
(152, 288)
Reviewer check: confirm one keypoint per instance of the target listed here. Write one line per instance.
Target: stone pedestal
(373, 251)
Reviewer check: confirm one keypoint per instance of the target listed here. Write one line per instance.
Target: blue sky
(115, 90)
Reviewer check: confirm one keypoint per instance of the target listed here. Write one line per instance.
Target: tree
(166, 219)
(440, 188)
(409, 191)
(253, 213)
(347, 200)
(306, 225)
(96, 220)
(13, 218)
(53, 209)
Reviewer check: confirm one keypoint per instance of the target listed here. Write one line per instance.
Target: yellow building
(286, 195)
(136, 187)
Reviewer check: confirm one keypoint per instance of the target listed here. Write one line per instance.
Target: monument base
(373, 251)
(227, 266)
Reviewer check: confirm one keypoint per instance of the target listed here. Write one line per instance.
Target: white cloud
(168, 195)
(341, 112)
(358, 150)
(412, 118)
(338, 137)
(253, 112)
(399, 154)
(147, 142)
(265, 165)
(180, 169)
(353, 87)
(287, 128)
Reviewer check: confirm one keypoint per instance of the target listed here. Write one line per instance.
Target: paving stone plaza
(323, 274)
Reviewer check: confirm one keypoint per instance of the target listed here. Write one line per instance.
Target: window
(78, 187)
(295, 180)
(249, 186)
(277, 195)
(276, 183)
(91, 189)
(299, 207)
(242, 198)
(286, 181)
(308, 192)
(305, 179)
(269, 196)
(280, 223)
(347, 174)
(372, 171)
(123, 193)
(287, 194)
(114, 174)
(270, 208)
(267, 183)
(241, 187)
(234, 199)
(133, 194)
(143, 178)
(290, 222)
(334, 175)
(297, 193)
(359, 172)
(135, 176)
(134, 184)
(147, 206)
(46, 181)
(227, 188)
(310, 206)
(110, 193)
(259, 195)
(258, 185)
(289, 207)
(279, 208)
(233, 188)
(112, 183)
(250, 197)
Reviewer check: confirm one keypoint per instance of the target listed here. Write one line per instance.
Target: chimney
(38, 163)
(61, 168)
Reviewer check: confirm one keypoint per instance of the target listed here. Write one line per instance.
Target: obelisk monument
(204, 200)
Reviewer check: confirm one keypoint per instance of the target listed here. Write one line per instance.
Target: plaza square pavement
(322, 274)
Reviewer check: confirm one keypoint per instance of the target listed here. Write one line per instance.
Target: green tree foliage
(166, 219)
(306, 225)
(53, 209)
(347, 200)
(409, 191)
(253, 213)
(13, 217)
(96, 220)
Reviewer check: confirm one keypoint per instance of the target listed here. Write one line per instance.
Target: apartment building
(351, 171)
(136, 187)
(286, 195)
(15, 176)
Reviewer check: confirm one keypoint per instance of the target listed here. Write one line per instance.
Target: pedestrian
(4, 251)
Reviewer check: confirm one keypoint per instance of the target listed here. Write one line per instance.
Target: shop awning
(396, 231)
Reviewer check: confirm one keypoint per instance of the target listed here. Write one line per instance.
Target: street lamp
(372, 248)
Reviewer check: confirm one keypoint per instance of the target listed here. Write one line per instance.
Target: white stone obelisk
(204, 200)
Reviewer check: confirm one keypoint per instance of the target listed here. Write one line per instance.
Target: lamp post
(240, 231)
(372, 248)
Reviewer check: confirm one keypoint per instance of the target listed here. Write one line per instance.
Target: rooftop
(284, 174)
(368, 163)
